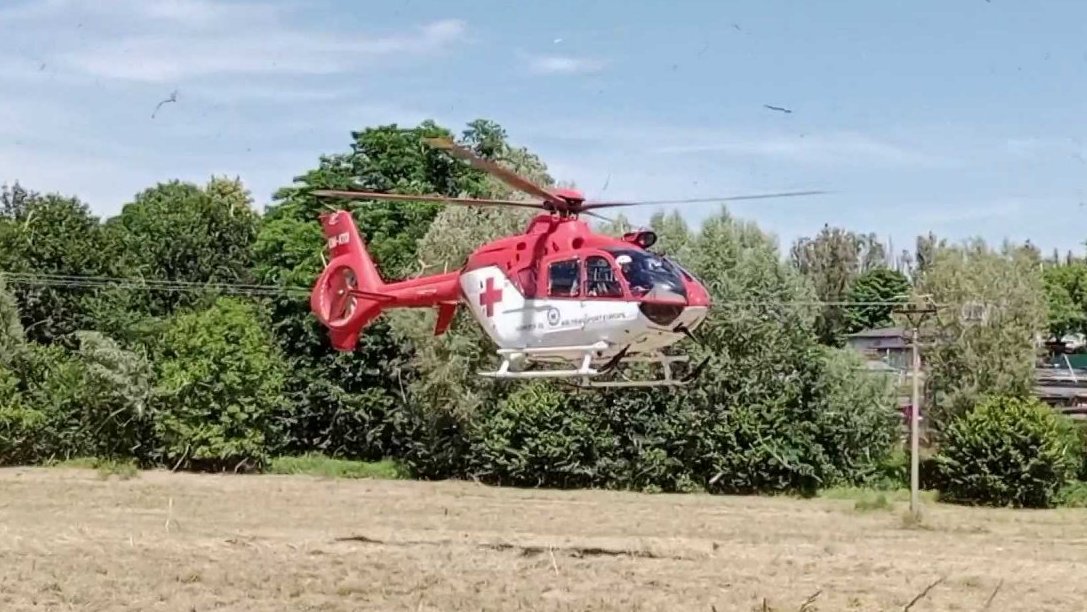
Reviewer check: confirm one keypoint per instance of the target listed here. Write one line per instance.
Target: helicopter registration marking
(341, 238)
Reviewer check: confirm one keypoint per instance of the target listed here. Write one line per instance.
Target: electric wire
(269, 290)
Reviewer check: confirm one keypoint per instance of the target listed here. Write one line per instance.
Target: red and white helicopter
(556, 294)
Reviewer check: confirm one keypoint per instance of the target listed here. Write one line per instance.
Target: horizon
(890, 110)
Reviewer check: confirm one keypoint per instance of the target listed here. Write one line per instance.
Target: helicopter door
(602, 278)
(562, 307)
(608, 306)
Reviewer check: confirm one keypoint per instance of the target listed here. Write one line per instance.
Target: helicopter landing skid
(586, 374)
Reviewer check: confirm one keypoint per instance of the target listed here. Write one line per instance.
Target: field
(73, 539)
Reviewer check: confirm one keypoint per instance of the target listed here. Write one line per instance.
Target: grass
(105, 547)
(312, 464)
(123, 469)
(315, 464)
(1073, 495)
(868, 500)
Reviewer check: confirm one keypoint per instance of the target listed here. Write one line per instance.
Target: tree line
(177, 333)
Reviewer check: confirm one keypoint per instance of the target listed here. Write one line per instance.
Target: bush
(219, 400)
(20, 426)
(840, 428)
(858, 421)
(1008, 451)
(533, 438)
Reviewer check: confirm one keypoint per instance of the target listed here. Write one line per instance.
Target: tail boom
(349, 293)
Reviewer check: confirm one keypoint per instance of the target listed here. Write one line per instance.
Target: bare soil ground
(71, 540)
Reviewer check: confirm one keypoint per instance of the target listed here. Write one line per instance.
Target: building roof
(881, 332)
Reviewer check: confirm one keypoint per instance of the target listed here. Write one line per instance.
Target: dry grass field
(73, 540)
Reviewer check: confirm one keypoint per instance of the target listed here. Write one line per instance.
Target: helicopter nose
(697, 296)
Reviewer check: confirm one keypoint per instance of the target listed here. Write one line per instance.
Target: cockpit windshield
(646, 272)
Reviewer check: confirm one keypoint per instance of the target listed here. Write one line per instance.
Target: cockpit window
(679, 268)
(645, 271)
(564, 278)
(600, 278)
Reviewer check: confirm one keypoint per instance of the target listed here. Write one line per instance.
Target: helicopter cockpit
(650, 276)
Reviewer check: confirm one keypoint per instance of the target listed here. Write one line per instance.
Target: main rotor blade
(507, 176)
(401, 197)
(787, 194)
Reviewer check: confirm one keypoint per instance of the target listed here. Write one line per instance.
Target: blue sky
(964, 118)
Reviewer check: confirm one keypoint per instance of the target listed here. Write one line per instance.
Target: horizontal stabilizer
(370, 295)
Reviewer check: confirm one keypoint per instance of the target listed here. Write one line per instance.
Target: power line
(145, 284)
(142, 284)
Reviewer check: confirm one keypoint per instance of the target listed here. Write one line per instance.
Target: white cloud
(835, 148)
(85, 75)
(172, 40)
(817, 148)
(278, 50)
(564, 64)
(954, 213)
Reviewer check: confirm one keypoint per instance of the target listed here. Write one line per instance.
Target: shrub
(20, 426)
(858, 421)
(533, 438)
(1007, 451)
(219, 398)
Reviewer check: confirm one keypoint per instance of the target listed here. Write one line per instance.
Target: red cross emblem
(490, 296)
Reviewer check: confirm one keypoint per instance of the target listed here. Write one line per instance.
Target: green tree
(181, 232)
(832, 261)
(390, 159)
(985, 335)
(12, 338)
(871, 292)
(1066, 296)
(18, 423)
(83, 403)
(673, 234)
(45, 240)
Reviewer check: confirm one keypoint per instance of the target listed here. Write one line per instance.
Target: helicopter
(558, 300)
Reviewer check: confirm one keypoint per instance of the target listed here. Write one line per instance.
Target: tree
(832, 261)
(673, 234)
(45, 240)
(12, 337)
(993, 355)
(878, 285)
(183, 233)
(1066, 297)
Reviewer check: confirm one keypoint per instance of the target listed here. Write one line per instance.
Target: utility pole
(916, 314)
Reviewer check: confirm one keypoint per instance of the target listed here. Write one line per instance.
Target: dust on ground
(70, 539)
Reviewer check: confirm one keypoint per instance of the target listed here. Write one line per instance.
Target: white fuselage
(516, 323)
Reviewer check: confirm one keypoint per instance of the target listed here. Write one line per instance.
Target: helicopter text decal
(554, 319)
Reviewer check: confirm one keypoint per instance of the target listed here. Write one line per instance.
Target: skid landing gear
(587, 374)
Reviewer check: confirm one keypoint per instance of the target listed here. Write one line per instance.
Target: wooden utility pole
(915, 314)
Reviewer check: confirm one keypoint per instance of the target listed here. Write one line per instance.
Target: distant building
(885, 345)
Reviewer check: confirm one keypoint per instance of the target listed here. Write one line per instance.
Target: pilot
(636, 281)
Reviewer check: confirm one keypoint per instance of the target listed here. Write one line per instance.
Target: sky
(962, 118)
